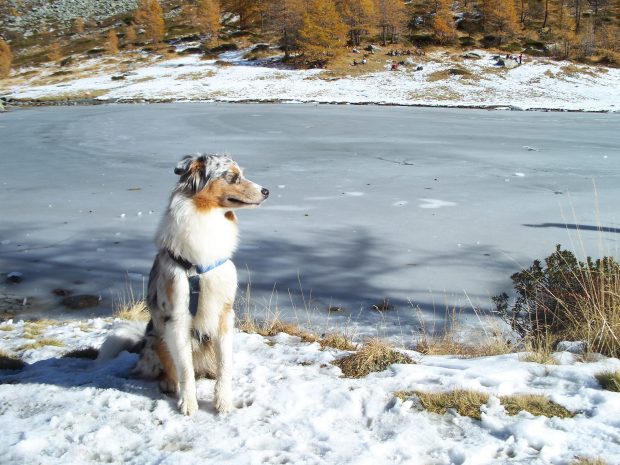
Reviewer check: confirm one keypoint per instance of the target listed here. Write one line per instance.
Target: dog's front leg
(223, 345)
(177, 336)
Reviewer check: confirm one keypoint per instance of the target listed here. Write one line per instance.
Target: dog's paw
(168, 386)
(224, 403)
(188, 404)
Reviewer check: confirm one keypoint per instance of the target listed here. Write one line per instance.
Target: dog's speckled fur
(199, 227)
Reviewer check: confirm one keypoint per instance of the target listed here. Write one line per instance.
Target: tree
(391, 18)
(207, 18)
(130, 35)
(6, 58)
(499, 17)
(55, 53)
(111, 43)
(78, 25)
(322, 31)
(149, 15)
(286, 18)
(358, 15)
(247, 11)
(443, 23)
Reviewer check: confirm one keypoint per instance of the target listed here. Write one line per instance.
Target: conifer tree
(130, 35)
(55, 53)
(322, 32)
(391, 18)
(78, 25)
(247, 11)
(207, 18)
(111, 44)
(499, 17)
(286, 18)
(358, 15)
(150, 16)
(6, 58)
(443, 23)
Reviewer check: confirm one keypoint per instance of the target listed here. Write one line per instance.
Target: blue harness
(194, 280)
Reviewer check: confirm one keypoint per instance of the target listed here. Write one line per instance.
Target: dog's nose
(265, 192)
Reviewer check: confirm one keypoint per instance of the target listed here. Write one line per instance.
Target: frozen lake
(431, 208)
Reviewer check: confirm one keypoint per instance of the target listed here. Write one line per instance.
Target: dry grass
(10, 361)
(444, 74)
(337, 341)
(69, 96)
(447, 345)
(537, 405)
(465, 402)
(46, 341)
(89, 353)
(33, 329)
(541, 357)
(609, 380)
(468, 403)
(375, 355)
(589, 461)
(6, 327)
(271, 327)
(132, 309)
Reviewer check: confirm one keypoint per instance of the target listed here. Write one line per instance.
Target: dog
(193, 282)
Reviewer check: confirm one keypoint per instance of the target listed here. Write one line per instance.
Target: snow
(293, 406)
(537, 84)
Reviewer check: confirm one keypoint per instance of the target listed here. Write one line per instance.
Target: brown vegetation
(150, 16)
(6, 58)
(375, 355)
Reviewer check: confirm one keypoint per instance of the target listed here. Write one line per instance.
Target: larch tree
(358, 15)
(247, 10)
(111, 44)
(55, 52)
(285, 18)
(6, 58)
(150, 16)
(499, 17)
(207, 18)
(391, 17)
(322, 32)
(443, 23)
(130, 35)
(78, 25)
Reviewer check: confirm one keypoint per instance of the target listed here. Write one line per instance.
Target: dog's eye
(234, 179)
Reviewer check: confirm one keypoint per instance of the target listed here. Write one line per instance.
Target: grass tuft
(46, 341)
(337, 341)
(609, 380)
(468, 403)
(89, 353)
(589, 461)
(446, 345)
(133, 310)
(375, 355)
(10, 362)
(537, 405)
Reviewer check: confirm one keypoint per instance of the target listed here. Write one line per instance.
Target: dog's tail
(128, 335)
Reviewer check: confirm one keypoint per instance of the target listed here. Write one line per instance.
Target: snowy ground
(538, 83)
(293, 407)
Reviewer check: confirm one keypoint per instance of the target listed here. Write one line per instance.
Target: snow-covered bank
(293, 407)
(478, 83)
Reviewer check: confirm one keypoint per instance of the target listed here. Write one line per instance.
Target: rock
(120, 77)
(66, 61)
(383, 306)
(372, 48)
(471, 56)
(79, 302)
(409, 62)
(574, 347)
(14, 277)
(61, 292)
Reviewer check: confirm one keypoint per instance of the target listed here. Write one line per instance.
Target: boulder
(79, 302)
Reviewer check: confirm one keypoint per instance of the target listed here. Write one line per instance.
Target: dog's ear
(184, 165)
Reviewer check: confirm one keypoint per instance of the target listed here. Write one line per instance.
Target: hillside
(78, 51)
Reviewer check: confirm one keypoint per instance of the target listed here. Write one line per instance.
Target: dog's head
(216, 181)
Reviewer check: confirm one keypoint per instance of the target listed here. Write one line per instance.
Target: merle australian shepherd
(193, 282)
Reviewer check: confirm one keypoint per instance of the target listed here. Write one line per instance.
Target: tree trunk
(544, 24)
(383, 35)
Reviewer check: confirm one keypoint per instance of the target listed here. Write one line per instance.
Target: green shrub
(565, 298)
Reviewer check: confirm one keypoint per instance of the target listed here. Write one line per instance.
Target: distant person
(364, 60)
(520, 58)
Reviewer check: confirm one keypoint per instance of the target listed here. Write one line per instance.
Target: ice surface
(313, 244)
